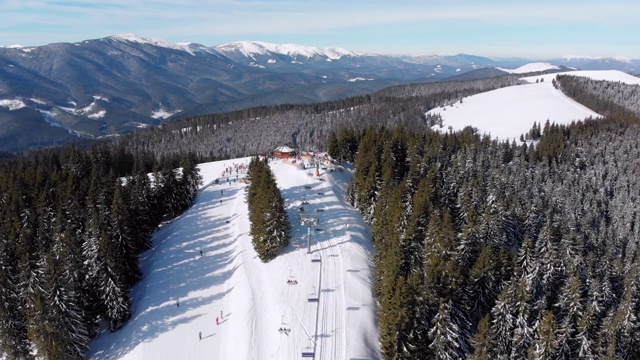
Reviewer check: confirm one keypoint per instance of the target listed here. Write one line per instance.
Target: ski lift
(291, 280)
(308, 352)
(313, 296)
(284, 327)
(316, 258)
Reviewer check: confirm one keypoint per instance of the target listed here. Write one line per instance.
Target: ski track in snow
(255, 298)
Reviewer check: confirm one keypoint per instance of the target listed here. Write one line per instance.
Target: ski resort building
(284, 152)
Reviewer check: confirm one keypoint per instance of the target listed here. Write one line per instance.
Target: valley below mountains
(111, 86)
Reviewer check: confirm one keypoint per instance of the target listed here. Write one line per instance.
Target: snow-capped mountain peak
(191, 48)
(252, 48)
(141, 40)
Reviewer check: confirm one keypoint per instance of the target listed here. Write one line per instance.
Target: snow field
(531, 67)
(508, 112)
(255, 298)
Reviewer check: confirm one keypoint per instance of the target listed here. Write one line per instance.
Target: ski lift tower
(309, 221)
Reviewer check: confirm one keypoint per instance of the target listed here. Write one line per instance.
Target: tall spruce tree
(270, 226)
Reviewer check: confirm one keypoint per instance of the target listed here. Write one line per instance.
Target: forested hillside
(604, 97)
(484, 249)
(488, 250)
(72, 224)
(259, 130)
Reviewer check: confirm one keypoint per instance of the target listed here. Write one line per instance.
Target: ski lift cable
(302, 325)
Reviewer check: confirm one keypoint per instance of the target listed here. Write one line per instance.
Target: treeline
(604, 97)
(72, 225)
(343, 146)
(260, 130)
(488, 250)
(270, 228)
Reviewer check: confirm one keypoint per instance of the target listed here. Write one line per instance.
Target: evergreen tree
(270, 226)
(123, 236)
(503, 324)
(523, 331)
(482, 342)
(14, 343)
(545, 344)
(446, 336)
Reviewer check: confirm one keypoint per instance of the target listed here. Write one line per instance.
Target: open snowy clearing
(608, 75)
(319, 303)
(531, 67)
(509, 112)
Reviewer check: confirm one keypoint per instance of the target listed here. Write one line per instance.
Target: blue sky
(534, 29)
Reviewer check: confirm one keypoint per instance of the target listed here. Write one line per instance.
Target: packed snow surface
(507, 113)
(532, 67)
(263, 310)
(608, 75)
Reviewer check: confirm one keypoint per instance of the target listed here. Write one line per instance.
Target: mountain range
(104, 87)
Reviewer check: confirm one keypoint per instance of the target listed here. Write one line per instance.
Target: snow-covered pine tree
(447, 337)
(113, 288)
(503, 321)
(270, 226)
(482, 340)
(545, 344)
(14, 341)
(123, 236)
(523, 330)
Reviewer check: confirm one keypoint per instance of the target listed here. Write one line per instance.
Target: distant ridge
(118, 84)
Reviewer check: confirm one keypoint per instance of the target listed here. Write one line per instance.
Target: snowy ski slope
(266, 312)
(508, 112)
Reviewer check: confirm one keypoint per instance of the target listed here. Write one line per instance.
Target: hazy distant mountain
(599, 63)
(114, 85)
(117, 84)
(465, 62)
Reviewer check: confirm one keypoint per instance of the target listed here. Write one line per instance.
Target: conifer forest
(72, 224)
(484, 249)
(270, 226)
(488, 250)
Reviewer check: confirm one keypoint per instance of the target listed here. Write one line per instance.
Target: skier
(177, 303)
(200, 252)
(217, 321)
(220, 192)
(200, 335)
(221, 317)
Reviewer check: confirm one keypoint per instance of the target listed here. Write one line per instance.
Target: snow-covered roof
(285, 149)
